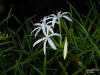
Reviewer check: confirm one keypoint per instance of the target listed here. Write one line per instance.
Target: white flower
(47, 38)
(55, 19)
(41, 26)
(65, 49)
(46, 19)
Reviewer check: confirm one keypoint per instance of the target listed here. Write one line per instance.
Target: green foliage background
(18, 57)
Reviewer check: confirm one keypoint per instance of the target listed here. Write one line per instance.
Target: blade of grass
(44, 66)
(62, 67)
(37, 70)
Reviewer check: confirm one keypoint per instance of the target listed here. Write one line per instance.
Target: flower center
(47, 37)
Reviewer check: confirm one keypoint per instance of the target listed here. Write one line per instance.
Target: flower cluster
(47, 25)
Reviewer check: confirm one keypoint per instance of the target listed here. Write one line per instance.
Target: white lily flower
(47, 38)
(46, 20)
(41, 26)
(54, 19)
(57, 17)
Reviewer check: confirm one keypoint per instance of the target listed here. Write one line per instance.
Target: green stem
(60, 30)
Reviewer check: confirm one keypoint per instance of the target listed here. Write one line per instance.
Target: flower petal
(52, 15)
(44, 47)
(38, 41)
(65, 13)
(35, 29)
(54, 21)
(67, 18)
(49, 22)
(37, 24)
(51, 30)
(51, 44)
(55, 34)
(43, 30)
(44, 19)
(59, 14)
(47, 31)
(37, 32)
(49, 18)
(65, 49)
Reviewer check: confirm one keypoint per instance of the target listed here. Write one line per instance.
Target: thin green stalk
(60, 31)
